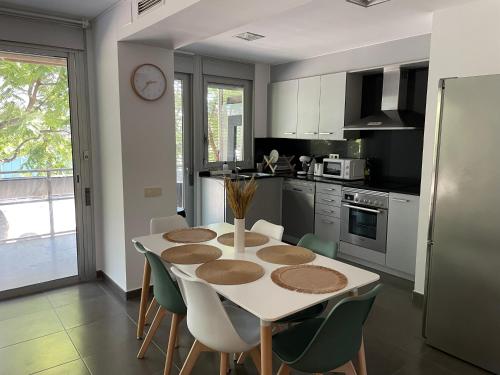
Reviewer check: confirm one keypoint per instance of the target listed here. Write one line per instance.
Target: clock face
(149, 82)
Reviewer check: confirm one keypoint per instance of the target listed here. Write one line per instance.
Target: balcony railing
(35, 203)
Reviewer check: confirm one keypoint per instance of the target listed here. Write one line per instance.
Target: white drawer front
(327, 228)
(329, 200)
(330, 189)
(326, 210)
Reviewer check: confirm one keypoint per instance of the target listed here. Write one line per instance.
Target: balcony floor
(31, 261)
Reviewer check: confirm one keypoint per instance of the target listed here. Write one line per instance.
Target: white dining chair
(218, 327)
(269, 229)
(156, 225)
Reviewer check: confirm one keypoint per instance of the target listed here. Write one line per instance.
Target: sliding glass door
(39, 165)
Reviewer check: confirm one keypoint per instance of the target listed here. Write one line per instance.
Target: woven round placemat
(229, 272)
(285, 254)
(251, 239)
(310, 279)
(191, 254)
(190, 235)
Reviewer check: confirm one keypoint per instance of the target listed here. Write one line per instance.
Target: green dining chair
(321, 247)
(168, 296)
(327, 344)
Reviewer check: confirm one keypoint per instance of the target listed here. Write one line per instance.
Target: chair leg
(195, 351)
(284, 369)
(347, 369)
(160, 314)
(241, 358)
(146, 278)
(150, 311)
(172, 338)
(362, 359)
(255, 355)
(224, 363)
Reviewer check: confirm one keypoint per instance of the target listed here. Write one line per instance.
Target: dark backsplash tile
(393, 154)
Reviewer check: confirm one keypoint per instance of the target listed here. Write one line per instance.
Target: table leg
(266, 350)
(146, 278)
(361, 352)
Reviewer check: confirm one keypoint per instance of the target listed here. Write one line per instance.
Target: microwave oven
(344, 169)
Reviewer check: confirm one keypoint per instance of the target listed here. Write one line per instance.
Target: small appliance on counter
(305, 160)
(344, 169)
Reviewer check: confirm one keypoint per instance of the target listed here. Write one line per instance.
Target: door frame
(82, 164)
(188, 142)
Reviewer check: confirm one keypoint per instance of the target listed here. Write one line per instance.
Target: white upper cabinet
(308, 108)
(332, 106)
(284, 109)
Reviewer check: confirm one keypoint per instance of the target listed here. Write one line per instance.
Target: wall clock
(149, 82)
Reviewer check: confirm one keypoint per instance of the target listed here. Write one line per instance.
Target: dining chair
(168, 296)
(269, 229)
(216, 326)
(156, 225)
(327, 344)
(321, 247)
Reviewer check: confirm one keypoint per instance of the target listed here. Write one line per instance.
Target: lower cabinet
(402, 232)
(327, 228)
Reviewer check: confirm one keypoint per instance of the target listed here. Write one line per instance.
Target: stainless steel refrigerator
(462, 312)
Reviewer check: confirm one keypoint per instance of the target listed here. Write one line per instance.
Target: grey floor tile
(24, 305)
(88, 310)
(450, 363)
(71, 368)
(420, 366)
(29, 326)
(36, 355)
(75, 293)
(115, 331)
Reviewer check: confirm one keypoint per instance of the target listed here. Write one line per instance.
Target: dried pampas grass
(239, 195)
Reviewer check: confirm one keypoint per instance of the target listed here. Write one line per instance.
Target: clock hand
(147, 84)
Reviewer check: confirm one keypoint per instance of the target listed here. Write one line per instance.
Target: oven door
(333, 168)
(365, 227)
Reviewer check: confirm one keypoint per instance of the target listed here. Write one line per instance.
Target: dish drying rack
(282, 165)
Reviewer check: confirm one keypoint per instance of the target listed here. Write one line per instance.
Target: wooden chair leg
(224, 363)
(172, 338)
(195, 351)
(146, 279)
(151, 310)
(160, 314)
(255, 355)
(362, 359)
(284, 369)
(347, 369)
(241, 358)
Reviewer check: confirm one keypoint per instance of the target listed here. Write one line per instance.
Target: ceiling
(323, 26)
(71, 8)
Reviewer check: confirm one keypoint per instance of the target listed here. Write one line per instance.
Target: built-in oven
(364, 218)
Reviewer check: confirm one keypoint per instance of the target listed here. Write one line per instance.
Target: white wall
(465, 42)
(108, 176)
(136, 148)
(148, 150)
(261, 80)
(398, 51)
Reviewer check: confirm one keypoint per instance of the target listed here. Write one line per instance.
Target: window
(228, 129)
(179, 140)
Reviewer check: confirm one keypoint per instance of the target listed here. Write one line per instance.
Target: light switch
(151, 192)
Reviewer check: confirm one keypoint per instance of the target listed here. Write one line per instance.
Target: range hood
(394, 114)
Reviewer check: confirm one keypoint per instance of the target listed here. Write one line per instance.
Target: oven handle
(363, 209)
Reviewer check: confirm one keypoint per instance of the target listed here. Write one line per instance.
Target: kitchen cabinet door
(332, 106)
(402, 232)
(284, 109)
(327, 228)
(308, 108)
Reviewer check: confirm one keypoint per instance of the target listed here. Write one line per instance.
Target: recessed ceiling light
(248, 36)
(367, 3)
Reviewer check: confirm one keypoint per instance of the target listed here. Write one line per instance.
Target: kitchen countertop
(385, 186)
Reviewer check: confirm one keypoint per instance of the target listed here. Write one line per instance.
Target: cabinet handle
(328, 200)
(326, 133)
(400, 200)
(289, 133)
(310, 133)
(327, 222)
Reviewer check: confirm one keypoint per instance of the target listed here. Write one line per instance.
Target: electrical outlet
(151, 192)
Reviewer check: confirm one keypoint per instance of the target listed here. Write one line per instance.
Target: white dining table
(263, 298)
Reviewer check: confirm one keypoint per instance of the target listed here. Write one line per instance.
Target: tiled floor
(32, 261)
(85, 329)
